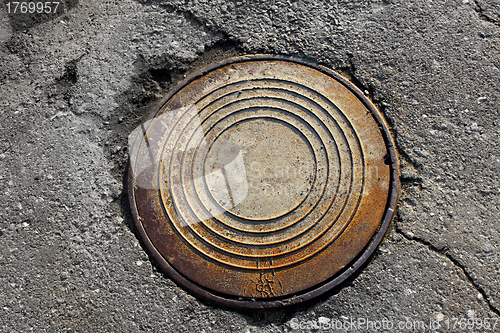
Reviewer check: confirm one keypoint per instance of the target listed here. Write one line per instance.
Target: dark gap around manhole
(377, 97)
(151, 82)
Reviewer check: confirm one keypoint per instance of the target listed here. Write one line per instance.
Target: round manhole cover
(262, 181)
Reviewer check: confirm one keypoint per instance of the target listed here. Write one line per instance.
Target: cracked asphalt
(73, 85)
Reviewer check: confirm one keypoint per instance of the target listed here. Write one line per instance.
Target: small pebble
(470, 314)
(118, 220)
(481, 99)
(2, 157)
(441, 127)
(64, 276)
(422, 153)
(200, 49)
(487, 248)
(406, 175)
(474, 127)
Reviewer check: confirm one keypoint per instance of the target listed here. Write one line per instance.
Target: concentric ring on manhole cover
(263, 181)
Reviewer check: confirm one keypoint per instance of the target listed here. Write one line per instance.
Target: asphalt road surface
(75, 83)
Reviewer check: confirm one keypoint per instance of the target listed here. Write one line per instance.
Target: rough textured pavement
(74, 86)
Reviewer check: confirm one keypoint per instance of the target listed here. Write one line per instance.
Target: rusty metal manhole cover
(262, 181)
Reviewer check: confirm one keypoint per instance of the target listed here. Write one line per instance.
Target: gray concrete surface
(74, 86)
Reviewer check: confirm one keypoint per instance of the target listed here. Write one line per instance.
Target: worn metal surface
(263, 181)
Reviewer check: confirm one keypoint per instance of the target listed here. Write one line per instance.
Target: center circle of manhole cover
(262, 181)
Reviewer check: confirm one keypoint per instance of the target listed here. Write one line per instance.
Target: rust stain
(263, 172)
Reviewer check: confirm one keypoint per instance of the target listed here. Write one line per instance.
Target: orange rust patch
(263, 181)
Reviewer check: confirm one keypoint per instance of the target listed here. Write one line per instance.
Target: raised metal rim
(363, 257)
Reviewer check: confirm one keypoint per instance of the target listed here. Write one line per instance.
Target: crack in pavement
(483, 16)
(350, 71)
(444, 252)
